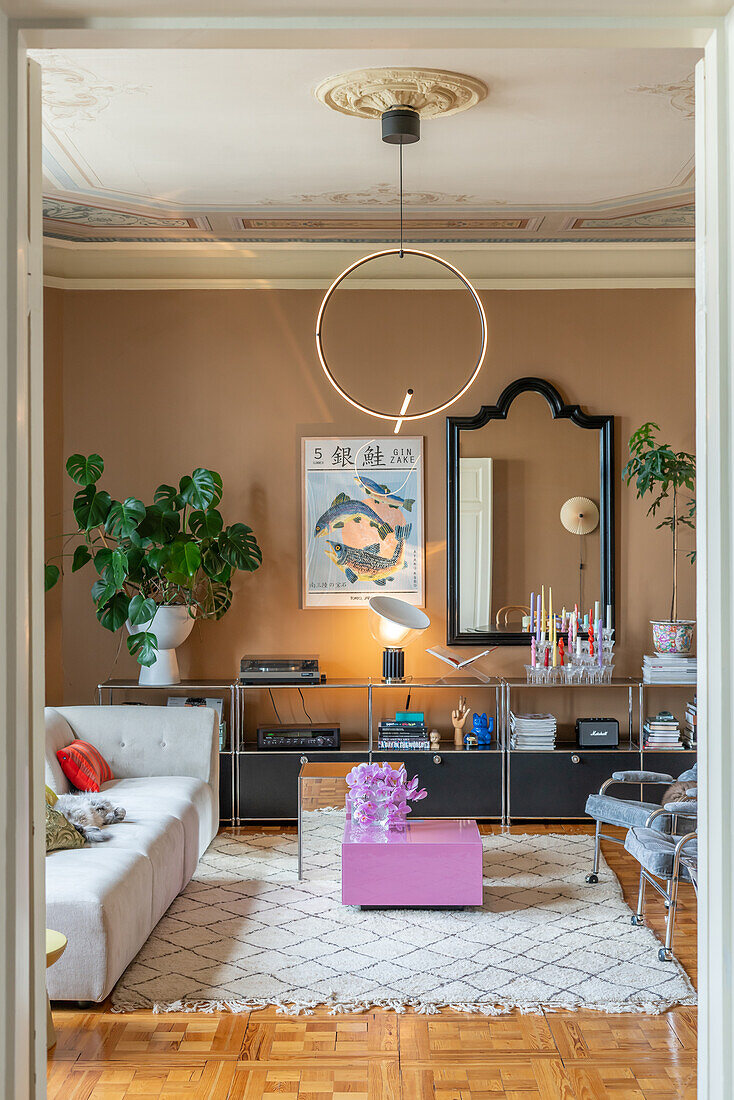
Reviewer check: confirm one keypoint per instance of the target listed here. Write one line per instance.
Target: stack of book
(668, 668)
(403, 734)
(661, 733)
(533, 732)
(689, 733)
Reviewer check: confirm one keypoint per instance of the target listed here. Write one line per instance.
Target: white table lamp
(394, 624)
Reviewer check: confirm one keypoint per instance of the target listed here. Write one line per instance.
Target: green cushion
(60, 833)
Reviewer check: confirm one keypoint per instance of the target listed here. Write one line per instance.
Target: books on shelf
(403, 735)
(661, 732)
(689, 733)
(668, 668)
(536, 732)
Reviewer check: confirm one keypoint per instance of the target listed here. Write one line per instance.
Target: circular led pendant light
(401, 126)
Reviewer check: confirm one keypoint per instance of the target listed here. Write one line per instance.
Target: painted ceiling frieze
(59, 210)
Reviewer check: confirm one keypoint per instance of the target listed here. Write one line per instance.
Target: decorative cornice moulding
(434, 93)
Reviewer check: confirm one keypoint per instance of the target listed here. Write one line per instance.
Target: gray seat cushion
(624, 812)
(655, 852)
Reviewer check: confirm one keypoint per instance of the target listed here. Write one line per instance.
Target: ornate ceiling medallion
(368, 93)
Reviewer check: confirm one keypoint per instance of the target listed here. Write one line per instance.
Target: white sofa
(106, 898)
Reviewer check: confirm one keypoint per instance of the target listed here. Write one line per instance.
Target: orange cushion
(84, 767)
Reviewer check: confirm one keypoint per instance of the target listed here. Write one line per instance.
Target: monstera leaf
(185, 558)
(206, 525)
(123, 517)
(238, 546)
(143, 647)
(91, 508)
(113, 614)
(51, 575)
(160, 524)
(82, 555)
(202, 488)
(141, 610)
(85, 471)
(167, 496)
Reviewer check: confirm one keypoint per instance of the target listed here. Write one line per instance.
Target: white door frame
(20, 439)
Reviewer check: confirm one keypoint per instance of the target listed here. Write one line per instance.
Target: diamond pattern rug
(245, 933)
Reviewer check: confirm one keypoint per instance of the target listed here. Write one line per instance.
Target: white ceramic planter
(171, 626)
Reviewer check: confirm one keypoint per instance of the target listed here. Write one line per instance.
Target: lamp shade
(580, 516)
(394, 623)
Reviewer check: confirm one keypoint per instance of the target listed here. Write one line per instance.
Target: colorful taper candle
(537, 617)
(542, 607)
(600, 643)
(561, 650)
(533, 653)
(532, 612)
(609, 616)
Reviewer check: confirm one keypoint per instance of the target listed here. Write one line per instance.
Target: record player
(280, 670)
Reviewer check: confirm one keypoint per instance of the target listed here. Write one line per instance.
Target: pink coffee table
(426, 863)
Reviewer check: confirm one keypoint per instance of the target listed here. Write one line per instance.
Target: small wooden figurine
(458, 718)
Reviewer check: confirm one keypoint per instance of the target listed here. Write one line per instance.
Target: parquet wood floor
(384, 1056)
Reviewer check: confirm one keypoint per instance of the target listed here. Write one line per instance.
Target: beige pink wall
(159, 382)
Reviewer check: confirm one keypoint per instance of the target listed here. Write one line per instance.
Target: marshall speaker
(597, 733)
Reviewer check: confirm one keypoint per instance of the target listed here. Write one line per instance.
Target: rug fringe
(423, 1008)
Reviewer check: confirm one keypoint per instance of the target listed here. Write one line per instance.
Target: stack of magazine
(668, 668)
(689, 734)
(403, 734)
(661, 732)
(536, 732)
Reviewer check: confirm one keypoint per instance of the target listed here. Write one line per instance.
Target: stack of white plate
(533, 732)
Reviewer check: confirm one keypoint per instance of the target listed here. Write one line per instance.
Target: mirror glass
(514, 476)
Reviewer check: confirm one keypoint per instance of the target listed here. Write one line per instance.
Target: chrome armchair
(608, 809)
(666, 858)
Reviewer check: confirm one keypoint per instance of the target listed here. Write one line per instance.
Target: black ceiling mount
(401, 126)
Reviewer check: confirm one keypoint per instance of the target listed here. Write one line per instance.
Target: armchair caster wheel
(637, 921)
(665, 956)
(592, 878)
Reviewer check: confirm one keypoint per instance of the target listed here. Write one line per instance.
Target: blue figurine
(482, 728)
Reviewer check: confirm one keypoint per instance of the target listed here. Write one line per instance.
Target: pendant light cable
(400, 147)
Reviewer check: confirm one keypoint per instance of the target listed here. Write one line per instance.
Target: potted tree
(670, 477)
(159, 566)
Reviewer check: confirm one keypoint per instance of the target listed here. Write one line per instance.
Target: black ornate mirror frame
(456, 424)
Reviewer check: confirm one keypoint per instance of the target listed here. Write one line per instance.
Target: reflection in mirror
(517, 469)
(514, 477)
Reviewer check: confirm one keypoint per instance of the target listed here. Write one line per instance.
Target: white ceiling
(203, 130)
(64, 9)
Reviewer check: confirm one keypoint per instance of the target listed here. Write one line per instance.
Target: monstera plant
(176, 551)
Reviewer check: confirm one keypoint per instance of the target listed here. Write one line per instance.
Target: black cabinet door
(225, 787)
(460, 784)
(269, 782)
(557, 784)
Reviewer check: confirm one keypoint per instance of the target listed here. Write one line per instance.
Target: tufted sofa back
(138, 741)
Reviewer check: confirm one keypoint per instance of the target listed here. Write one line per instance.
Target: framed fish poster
(362, 520)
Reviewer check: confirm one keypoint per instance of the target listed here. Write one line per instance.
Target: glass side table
(322, 786)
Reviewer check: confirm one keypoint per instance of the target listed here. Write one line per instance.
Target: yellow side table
(55, 947)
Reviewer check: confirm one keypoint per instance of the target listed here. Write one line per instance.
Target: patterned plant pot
(672, 636)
